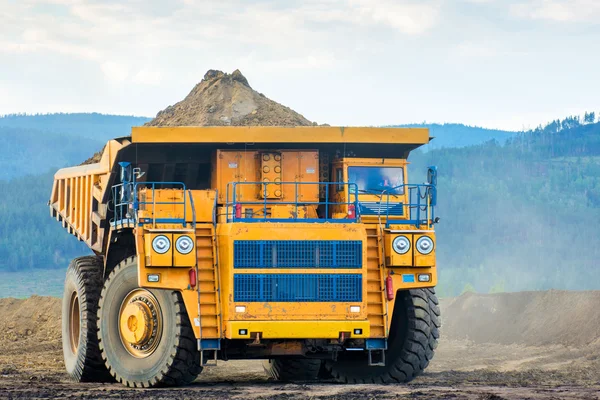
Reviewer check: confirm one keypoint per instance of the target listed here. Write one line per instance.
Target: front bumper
(297, 329)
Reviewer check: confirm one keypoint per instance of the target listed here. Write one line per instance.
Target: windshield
(377, 179)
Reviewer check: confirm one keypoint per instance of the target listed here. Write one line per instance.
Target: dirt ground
(504, 363)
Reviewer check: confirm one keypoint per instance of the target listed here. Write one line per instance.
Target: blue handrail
(128, 203)
(419, 201)
(234, 190)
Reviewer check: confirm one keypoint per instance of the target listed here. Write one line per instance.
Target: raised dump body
(305, 246)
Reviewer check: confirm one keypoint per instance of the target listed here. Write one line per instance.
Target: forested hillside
(34, 144)
(32, 148)
(459, 135)
(520, 216)
(29, 238)
(100, 127)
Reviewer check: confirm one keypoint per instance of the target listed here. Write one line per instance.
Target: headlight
(401, 245)
(184, 244)
(425, 245)
(161, 244)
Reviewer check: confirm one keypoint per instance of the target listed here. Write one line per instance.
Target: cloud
(148, 76)
(558, 10)
(405, 17)
(114, 71)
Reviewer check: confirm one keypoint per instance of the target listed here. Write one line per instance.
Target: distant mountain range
(459, 135)
(34, 144)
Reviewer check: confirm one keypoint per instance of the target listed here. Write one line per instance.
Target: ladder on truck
(377, 309)
(209, 310)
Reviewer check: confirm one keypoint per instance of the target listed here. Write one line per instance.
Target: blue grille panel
(297, 254)
(297, 287)
(381, 208)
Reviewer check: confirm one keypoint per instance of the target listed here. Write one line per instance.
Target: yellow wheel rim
(140, 323)
(74, 322)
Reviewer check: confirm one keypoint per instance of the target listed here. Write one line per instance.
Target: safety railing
(127, 203)
(122, 201)
(418, 211)
(279, 194)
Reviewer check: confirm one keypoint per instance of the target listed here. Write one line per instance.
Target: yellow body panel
(285, 319)
(227, 233)
(151, 207)
(424, 260)
(412, 257)
(297, 329)
(279, 134)
(235, 166)
(184, 260)
(295, 310)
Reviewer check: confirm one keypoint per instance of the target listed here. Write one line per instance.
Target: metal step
(374, 361)
(208, 358)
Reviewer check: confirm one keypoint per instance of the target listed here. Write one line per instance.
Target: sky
(494, 63)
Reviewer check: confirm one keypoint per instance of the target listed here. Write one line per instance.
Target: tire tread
(88, 274)
(417, 350)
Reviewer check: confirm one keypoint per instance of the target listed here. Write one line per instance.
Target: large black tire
(413, 338)
(292, 369)
(83, 284)
(175, 361)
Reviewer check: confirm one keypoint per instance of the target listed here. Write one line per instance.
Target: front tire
(83, 284)
(145, 335)
(413, 338)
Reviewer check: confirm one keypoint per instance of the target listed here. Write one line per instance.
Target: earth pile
(222, 99)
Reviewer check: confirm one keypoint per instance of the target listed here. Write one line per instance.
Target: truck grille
(297, 287)
(381, 208)
(297, 254)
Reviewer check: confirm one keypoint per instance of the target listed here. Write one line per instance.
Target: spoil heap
(227, 99)
(222, 99)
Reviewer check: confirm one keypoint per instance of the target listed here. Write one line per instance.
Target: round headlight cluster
(184, 244)
(425, 245)
(401, 245)
(161, 244)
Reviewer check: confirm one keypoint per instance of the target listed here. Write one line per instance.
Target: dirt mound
(34, 319)
(222, 99)
(528, 318)
(227, 99)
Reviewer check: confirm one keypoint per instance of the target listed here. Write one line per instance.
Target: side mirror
(432, 180)
(432, 175)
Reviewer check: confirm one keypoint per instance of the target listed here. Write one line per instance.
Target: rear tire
(292, 369)
(83, 284)
(413, 338)
(169, 357)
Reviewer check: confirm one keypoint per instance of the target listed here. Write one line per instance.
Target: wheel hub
(140, 323)
(74, 322)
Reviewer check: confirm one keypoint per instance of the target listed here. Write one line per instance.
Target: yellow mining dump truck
(304, 247)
